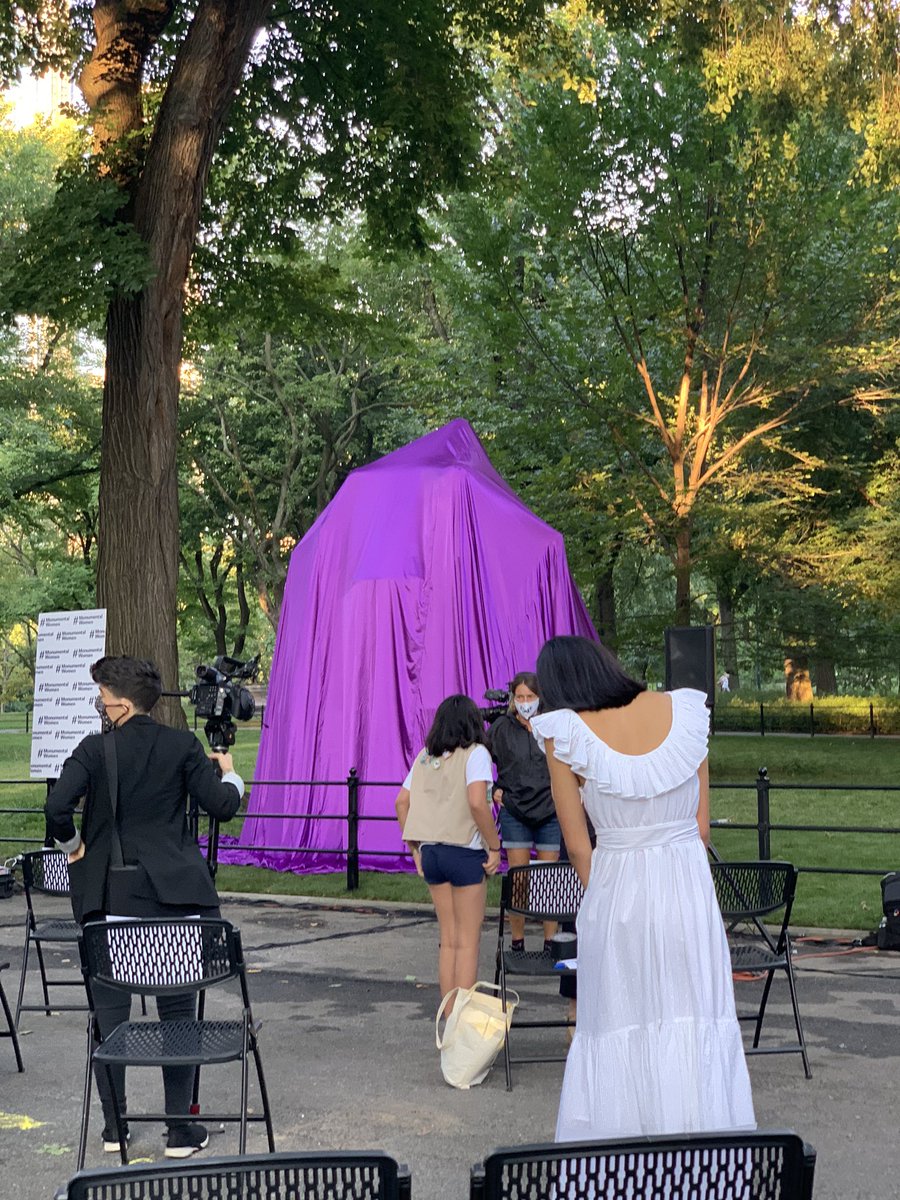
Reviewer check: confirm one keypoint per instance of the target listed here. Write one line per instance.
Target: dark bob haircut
(133, 679)
(583, 675)
(457, 724)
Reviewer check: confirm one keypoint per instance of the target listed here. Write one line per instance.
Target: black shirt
(158, 768)
(521, 771)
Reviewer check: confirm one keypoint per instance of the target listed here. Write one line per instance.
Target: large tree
(694, 222)
(338, 106)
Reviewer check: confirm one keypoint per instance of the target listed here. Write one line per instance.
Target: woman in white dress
(657, 1047)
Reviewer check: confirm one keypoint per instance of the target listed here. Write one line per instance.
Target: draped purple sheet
(426, 575)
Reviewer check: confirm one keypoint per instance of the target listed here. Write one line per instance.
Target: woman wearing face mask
(527, 813)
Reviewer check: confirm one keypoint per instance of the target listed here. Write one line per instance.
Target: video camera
(500, 704)
(219, 697)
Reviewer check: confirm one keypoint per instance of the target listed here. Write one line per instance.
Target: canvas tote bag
(474, 1032)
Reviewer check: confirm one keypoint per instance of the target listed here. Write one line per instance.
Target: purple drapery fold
(425, 576)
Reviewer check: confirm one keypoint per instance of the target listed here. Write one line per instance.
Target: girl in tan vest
(445, 820)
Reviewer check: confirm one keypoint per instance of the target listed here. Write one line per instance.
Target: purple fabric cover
(425, 576)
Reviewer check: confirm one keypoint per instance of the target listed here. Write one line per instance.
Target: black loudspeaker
(691, 659)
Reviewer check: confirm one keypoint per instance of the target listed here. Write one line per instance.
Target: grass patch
(373, 885)
(851, 902)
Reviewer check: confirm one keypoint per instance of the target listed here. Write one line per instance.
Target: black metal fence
(763, 787)
(764, 826)
(808, 719)
(868, 720)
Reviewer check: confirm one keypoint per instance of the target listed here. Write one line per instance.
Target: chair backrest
(153, 957)
(354, 1175)
(753, 890)
(727, 1166)
(546, 891)
(46, 871)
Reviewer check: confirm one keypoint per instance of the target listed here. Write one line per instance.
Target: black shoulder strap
(112, 777)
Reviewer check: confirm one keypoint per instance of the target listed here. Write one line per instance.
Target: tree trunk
(605, 604)
(727, 639)
(683, 574)
(137, 566)
(797, 685)
(240, 636)
(824, 677)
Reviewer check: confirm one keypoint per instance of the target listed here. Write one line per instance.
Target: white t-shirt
(479, 769)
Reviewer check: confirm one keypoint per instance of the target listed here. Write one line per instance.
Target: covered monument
(426, 575)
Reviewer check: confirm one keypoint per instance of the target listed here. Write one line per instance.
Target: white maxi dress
(657, 1046)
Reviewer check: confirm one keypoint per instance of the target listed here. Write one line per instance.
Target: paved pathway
(347, 995)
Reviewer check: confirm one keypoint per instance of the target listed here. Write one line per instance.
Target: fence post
(352, 831)
(762, 720)
(871, 720)
(28, 717)
(762, 813)
(812, 721)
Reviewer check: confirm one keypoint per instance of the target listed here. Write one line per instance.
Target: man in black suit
(157, 769)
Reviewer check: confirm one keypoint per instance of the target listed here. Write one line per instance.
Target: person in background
(447, 824)
(527, 813)
(657, 1047)
(158, 768)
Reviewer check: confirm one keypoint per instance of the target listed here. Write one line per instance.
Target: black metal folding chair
(156, 958)
(541, 891)
(766, 1165)
(46, 872)
(316, 1175)
(10, 1031)
(748, 893)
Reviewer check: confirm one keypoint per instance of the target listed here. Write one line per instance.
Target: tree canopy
(649, 250)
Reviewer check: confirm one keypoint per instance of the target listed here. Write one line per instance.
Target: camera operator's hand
(224, 762)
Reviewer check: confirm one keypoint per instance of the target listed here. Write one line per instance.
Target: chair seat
(56, 931)
(172, 1043)
(754, 957)
(532, 962)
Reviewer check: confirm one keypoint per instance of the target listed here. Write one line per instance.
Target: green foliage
(36, 35)
(49, 438)
(613, 186)
(629, 222)
(29, 158)
(281, 412)
(74, 256)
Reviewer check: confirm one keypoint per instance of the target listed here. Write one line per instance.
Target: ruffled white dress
(657, 1048)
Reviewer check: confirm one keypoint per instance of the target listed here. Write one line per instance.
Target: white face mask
(527, 711)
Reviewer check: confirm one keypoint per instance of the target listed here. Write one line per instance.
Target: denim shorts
(516, 835)
(457, 865)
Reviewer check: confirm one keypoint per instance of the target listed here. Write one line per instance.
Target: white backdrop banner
(64, 713)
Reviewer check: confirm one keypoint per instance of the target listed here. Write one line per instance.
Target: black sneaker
(111, 1139)
(185, 1140)
(517, 945)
